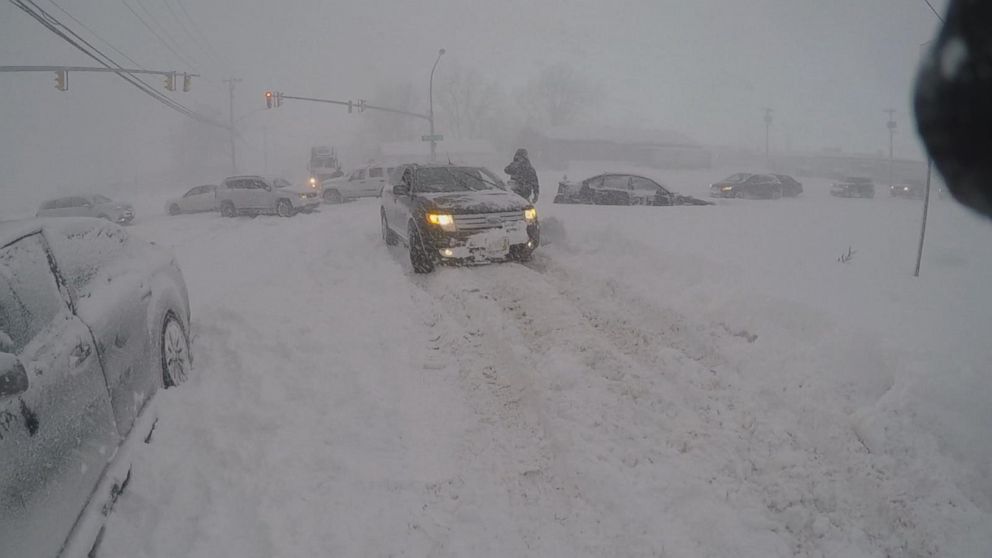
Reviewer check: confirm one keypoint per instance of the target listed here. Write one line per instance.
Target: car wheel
(176, 360)
(174, 210)
(227, 209)
(333, 196)
(521, 253)
(284, 208)
(420, 258)
(388, 236)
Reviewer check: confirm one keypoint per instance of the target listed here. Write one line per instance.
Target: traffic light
(349, 107)
(187, 83)
(268, 99)
(61, 80)
(361, 105)
(170, 81)
(278, 98)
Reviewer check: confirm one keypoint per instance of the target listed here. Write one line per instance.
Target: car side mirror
(13, 377)
(401, 190)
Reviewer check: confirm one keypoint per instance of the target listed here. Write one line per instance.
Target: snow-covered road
(658, 382)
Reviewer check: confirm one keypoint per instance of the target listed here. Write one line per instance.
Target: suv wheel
(227, 209)
(174, 209)
(420, 257)
(333, 196)
(284, 208)
(388, 236)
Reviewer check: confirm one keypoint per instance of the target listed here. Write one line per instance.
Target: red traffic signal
(268, 99)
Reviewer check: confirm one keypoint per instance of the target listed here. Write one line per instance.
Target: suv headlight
(530, 214)
(443, 220)
(726, 188)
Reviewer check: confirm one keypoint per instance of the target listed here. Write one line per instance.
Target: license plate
(501, 245)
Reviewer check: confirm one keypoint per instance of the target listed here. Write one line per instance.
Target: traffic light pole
(351, 104)
(169, 75)
(230, 126)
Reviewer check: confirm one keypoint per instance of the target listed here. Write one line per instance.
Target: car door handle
(79, 354)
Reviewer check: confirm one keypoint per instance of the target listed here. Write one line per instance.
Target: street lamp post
(430, 96)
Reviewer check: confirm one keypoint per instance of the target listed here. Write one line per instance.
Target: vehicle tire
(333, 196)
(284, 208)
(420, 258)
(388, 236)
(176, 360)
(174, 209)
(521, 253)
(227, 209)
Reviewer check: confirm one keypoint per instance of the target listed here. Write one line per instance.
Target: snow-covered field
(677, 382)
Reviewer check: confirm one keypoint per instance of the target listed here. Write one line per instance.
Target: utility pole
(768, 125)
(891, 124)
(430, 95)
(230, 126)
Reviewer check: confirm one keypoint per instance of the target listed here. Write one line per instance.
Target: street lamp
(430, 96)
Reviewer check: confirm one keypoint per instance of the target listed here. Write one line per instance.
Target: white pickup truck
(366, 182)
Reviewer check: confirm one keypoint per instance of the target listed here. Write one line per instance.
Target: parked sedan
(93, 323)
(749, 186)
(912, 189)
(853, 187)
(790, 186)
(101, 207)
(620, 189)
(197, 199)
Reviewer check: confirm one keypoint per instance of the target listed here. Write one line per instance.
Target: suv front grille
(485, 221)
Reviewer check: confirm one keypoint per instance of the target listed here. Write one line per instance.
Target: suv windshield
(451, 179)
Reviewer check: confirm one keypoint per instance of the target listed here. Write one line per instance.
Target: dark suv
(456, 215)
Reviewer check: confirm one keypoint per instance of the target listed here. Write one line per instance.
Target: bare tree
(468, 103)
(558, 96)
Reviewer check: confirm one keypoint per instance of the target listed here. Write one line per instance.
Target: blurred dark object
(953, 102)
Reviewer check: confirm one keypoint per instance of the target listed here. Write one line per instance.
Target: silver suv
(258, 194)
(88, 206)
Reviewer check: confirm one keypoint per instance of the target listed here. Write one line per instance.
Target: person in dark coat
(523, 176)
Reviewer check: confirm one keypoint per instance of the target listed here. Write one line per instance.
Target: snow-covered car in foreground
(93, 323)
(748, 186)
(195, 200)
(620, 189)
(456, 215)
(97, 206)
(366, 182)
(853, 187)
(258, 194)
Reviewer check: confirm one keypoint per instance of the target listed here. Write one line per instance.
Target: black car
(456, 215)
(853, 187)
(620, 189)
(790, 186)
(912, 189)
(749, 186)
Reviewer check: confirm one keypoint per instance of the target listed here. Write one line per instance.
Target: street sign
(435, 137)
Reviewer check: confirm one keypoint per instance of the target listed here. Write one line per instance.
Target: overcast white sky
(703, 67)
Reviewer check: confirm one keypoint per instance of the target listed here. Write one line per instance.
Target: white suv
(258, 194)
(366, 182)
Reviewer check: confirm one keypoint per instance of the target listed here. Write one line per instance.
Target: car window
(51, 204)
(616, 182)
(29, 295)
(375, 172)
(361, 174)
(78, 202)
(594, 182)
(102, 199)
(640, 183)
(192, 192)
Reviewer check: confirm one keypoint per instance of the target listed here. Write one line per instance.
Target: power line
(934, 11)
(185, 28)
(196, 28)
(159, 37)
(52, 24)
(95, 34)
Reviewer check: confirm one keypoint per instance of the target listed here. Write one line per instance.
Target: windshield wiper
(472, 176)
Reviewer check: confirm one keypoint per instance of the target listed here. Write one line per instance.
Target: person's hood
(521, 154)
(483, 201)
